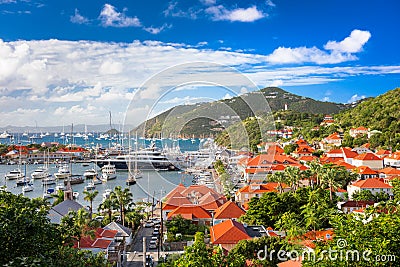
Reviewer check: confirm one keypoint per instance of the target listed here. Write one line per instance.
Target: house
(60, 210)
(228, 233)
(334, 153)
(365, 172)
(124, 234)
(348, 154)
(303, 151)
(198, 195)
(382, 153)
(358, 132)
(333, 140)
(105, 242)
(362, 149)
(389, 172)
(351, 205)
(345, 165)
(328, 120)
(247, 192)
(374, 185)
(195, 213)
(230, 210)
(368, 159)
(393, 160)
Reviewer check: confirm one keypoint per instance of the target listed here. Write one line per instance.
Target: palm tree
(59, 197)
(293, 177)
(316, 170)
(78, 224)
(123, 198)
(90, 196)
(329, 178)
(280, 178)
(107, 205)
(133, 218)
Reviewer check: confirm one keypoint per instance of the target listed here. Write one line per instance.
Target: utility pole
(161, 226)
(144, 251)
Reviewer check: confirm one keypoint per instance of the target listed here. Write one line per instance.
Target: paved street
(135, 256)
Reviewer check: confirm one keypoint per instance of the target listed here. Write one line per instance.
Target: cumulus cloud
(352, 44)
(157, 30)
(336, 52)
(355, 98)
(78, 18)
(249, 14)
(110, 17)
(52, 75)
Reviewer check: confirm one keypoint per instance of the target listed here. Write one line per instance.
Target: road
(135, 256)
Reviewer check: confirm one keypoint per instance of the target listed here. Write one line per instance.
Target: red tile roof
(101, 243)
(261, 188)
(371, 183)
(228, 232)
(194, 211)
(291, 263)
(365, 170)
(382, 152)
(307, 158)
(179, 188)
(341, 163)
(228, 210)
(367, 156)
(334, 136)
(348, 153)
(334, 151)
(395, 155)
(390, 171)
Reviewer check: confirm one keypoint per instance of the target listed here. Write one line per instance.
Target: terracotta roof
(179, 188)
(365, 170)
(395, 155)
(337, 190)
(307, 158)
(228, 210)
(304, 149)
(101, 243)
(367, 156)
(334, 136)
(390, 171)
(382, 152)
(371, 183)
(344, 164)
(211, 201)
(291, 263)
(101, 232)
(334, 151)
(348, 153)
(193, 211)
(260, 188)
(228, 232)
(325, 160)
(356, 204)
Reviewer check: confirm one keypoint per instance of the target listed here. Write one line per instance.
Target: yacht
(63, 172)
(60, 187)
(27, 188)
(40, 173)
(48, 181)
(14, 174)
(90, 186)
(90, 174)
(146, 159)
(5, 135)
(23, 181)
(106, 194)
(108, 172)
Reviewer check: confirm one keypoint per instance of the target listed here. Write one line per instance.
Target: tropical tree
(78, 224)
(108, 205)
(280, 178)
(293, 175)
(59, 197)
(133, 218)
(124, 198)
(316, 170)
(90, 196)
(329, 178)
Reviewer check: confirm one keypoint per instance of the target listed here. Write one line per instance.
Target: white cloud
(110, 17)
(227, 96)
(355, 98)
(7, 1)
(173, 11)
(326, 99)
(351, 44)
(338, 51)
(78, 18)
(243, 90)
(208, 2)
(157, 30)
(276, 83)
(52, 75)
(249, 14)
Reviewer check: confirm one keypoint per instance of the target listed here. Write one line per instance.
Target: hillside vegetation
(201, 119)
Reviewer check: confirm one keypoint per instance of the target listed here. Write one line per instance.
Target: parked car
(99, 218)
(153, 244)
(149, 261)
(156, 233)
(148, 224)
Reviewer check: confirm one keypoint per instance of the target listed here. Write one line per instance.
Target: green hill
(381, 113)
(202, 118)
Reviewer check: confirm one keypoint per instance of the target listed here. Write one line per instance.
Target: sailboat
(136, 174)
(27, 187)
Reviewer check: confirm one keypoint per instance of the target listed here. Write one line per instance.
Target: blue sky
(72, 61)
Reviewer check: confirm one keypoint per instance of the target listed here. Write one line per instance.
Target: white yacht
(27, 188)
(90, 186)
(49, 181)
(4, 135)
(63, 172)
(14, 174)
(90, 174)
(40, 173)
(109, 172)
